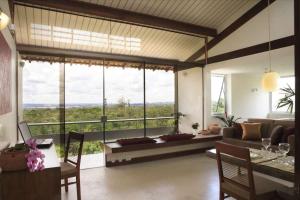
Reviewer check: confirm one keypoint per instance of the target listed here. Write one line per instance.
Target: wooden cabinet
(24, 185)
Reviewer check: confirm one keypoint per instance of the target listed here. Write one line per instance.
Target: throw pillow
(276, 134)
(251, 131)
(286, 133)
(238, 130)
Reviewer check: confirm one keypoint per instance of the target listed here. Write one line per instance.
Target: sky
(84, 84)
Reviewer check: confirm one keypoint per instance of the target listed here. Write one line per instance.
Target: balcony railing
(108, 131)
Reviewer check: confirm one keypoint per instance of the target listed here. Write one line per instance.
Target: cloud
(85, 84)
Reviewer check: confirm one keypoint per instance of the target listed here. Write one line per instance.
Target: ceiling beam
(68, 53)
(259, 48)
(231, 28)
(104, 12)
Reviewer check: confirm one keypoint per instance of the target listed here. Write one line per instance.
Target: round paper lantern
(270, 81)
(4, 20)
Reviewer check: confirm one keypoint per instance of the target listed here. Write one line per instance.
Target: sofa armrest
(228, 132)
(291, 141)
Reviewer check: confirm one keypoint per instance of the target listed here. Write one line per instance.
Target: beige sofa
(229, 133)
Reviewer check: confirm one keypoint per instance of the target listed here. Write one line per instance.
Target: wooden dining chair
(236, 175)
(71, 165)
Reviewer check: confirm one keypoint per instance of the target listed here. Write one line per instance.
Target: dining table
(265, 162)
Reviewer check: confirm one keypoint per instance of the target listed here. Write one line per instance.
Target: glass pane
(124, 103)
(84, 107)
(284, 83)
(41, 99)
(217, 93)
(160, 102)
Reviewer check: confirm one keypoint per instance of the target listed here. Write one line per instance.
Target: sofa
(232, 134)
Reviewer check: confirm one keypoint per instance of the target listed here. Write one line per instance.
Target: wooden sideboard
(43, 185)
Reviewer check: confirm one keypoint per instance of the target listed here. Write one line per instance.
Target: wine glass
(284, 148)
(266, 142)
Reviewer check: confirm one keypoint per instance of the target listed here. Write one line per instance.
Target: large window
(83, 103)
(42, 108)
(105, 103)
(41, 97)
(285, 84)
(218, 100)
(160, 102)
(124, 108)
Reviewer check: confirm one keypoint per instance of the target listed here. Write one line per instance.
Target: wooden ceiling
(53, 28)
(35, 25)
(208, 13)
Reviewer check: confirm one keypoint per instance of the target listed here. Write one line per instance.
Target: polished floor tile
(192, 177)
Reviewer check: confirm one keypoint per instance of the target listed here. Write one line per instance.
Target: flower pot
(12, 160)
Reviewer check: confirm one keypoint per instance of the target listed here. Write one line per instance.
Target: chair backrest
(24, 130)
(235, 169)
(74, 148)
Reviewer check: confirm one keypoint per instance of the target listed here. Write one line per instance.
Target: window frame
(271, 100)
(223, 89)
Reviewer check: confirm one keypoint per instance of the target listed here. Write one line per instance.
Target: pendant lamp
(4, 20)
(270, 78)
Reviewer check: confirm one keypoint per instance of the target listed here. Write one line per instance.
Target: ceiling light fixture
(4, 20)
(270, 79)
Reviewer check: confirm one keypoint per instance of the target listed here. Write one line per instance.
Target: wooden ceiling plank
(44, 20)
(232, 27)
(59, 23)
(66, 24)
(186, 9)
(211, 8)
(120, 15)
(19, 38)
(37, 20)
(225, 16)
(204, 9)
(84, 27)
(20, 24)
(196, 9)
(157, 11)
(29, 20)
(152, 5)
(222, 12)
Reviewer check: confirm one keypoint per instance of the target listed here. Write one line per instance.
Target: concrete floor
(192, 177)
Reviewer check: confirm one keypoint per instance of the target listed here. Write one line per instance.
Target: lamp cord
(269, 32)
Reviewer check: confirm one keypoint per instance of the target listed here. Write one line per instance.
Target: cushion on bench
(177, 137)
(133, 141)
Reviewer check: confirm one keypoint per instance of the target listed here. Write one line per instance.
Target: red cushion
(177, 137)
(133, 141)
(286, 133)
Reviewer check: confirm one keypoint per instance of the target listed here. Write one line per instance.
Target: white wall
(190, 98)
(255, 31)
(9, 120)
(248, 100)
(245, 96)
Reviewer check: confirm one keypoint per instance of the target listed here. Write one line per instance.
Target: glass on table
(266, 142)
(284, 148)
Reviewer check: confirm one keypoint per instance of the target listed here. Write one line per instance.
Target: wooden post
(297, 85)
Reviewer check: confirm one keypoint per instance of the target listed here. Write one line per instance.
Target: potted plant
(22, 156)
(228, 120)
(177, 116)
(288, 99)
